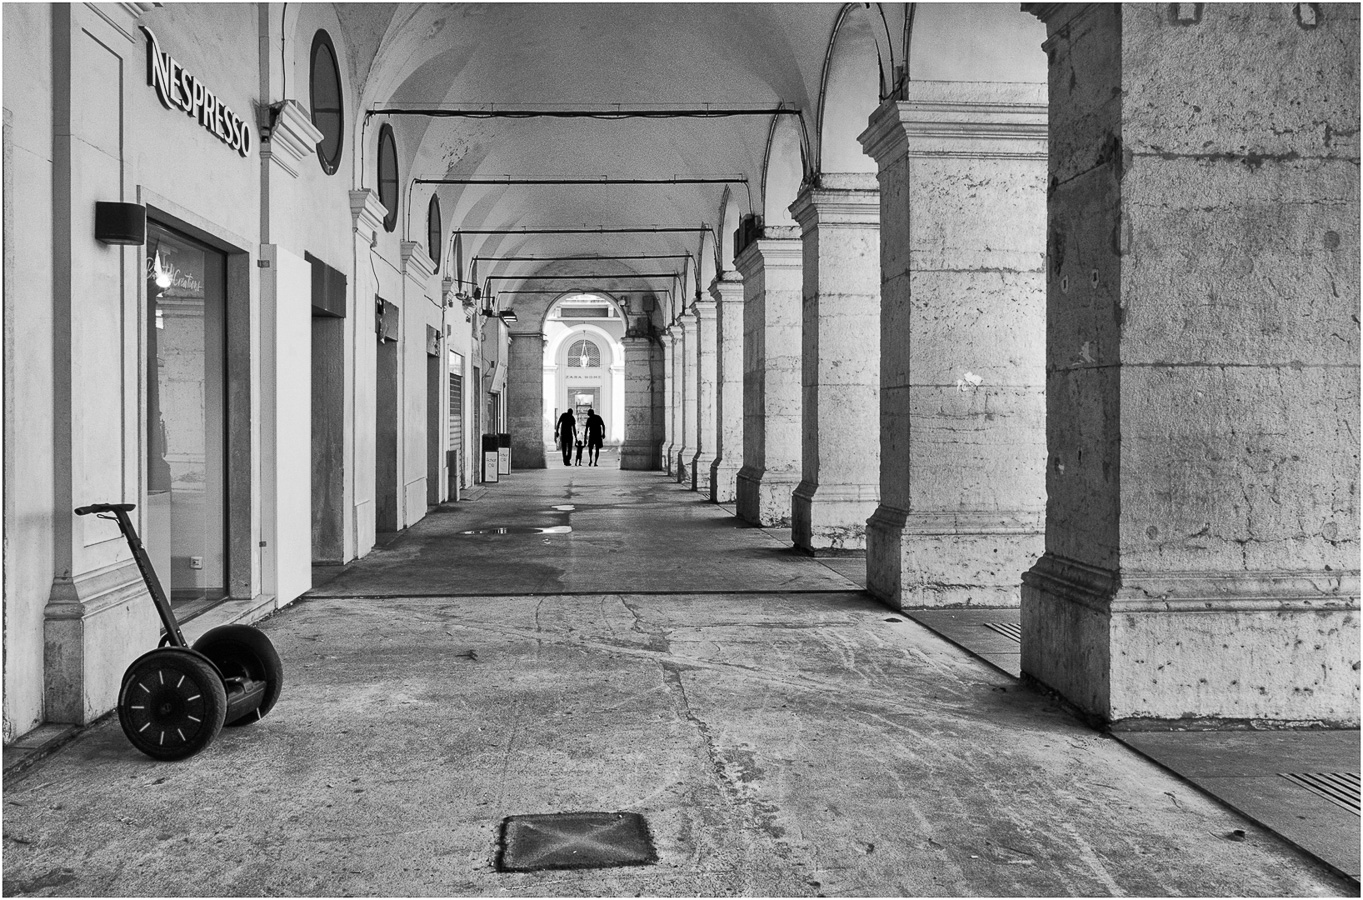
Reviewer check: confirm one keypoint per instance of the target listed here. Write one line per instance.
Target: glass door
(186, 509)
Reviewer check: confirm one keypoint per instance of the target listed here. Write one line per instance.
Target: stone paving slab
(777, 745)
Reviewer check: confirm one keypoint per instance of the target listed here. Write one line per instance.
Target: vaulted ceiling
(492, 59)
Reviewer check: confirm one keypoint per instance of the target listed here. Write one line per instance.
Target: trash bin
(491, 458)
(504, 454)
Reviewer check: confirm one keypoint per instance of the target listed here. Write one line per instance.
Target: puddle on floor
(522, 529)
(567, 508)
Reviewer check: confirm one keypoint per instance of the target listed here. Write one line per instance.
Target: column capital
(416, 262)
(367, 213)
(704, 308)
(781, 248)
(291, 137)
(1059, 14)
(959, 119)
(839, 200)
(727, 288)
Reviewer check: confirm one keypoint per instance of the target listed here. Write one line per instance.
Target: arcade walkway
(781, 733)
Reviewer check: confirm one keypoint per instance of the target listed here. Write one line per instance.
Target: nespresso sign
(177, 89)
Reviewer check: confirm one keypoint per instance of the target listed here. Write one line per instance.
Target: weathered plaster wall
(28, 473)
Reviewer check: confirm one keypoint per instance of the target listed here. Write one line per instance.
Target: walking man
(596, 436)
(566, 430)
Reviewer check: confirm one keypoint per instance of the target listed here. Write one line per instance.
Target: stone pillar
(962, 343)
(770, 267)
(689, 362)
(525, 399)
(1202, 381)
(728, 293)
(840, 400)
(638, 450)
(707, 388)
(669, 401)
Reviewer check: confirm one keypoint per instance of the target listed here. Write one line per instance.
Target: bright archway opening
(584, 365)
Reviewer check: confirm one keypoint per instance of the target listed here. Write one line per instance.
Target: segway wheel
(172, 703)
(241, 650)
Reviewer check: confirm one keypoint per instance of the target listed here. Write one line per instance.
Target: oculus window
(388, 176)
(328, 113)
(433, 231)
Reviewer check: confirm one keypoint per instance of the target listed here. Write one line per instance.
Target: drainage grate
(1007, 629)
(1340, 788)
(581, 840)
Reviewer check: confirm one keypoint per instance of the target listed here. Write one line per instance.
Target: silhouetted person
(596, 436)
(578, 458)
(566, 431)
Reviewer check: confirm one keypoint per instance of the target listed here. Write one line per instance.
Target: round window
(328, 113)
(388, 176)
(433, 232)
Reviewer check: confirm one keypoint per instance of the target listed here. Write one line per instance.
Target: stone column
(728, 293)
(525, 399)
(962, 343)
(840, 372)
(669, 401)
(637, 451)
(707, 388)
(1202, 381)
(689, 362)
(770, 267)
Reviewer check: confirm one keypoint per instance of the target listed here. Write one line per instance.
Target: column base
(95, 626)
(686, 456)
(669, 458)
(1137, 649)
(764, 497)
(700, 472)
(723, 481)
(830, 520)
(941, 559)
(640, 456)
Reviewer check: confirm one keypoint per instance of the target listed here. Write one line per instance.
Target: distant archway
(584, 362)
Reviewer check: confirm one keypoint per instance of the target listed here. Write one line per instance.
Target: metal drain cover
(1007, 629)
(1340, 788)
(579, 840)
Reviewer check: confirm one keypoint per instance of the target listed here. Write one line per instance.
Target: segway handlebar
(104, 507)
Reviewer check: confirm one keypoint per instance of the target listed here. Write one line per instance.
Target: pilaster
(840, 374)
(707, 388)
(689, 362)
(771, 270)
(639, 451)
(669, 447)
(962, 338)
(728, 293)
(1201, 430)
(525, 399)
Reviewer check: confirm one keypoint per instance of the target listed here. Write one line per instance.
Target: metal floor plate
(580, 840)
(1340, 788)
(1011, 630)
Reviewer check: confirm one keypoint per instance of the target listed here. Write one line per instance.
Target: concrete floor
(782, 734)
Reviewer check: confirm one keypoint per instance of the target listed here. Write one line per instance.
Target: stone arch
(783, 170)
(857, 74)
(607, 379)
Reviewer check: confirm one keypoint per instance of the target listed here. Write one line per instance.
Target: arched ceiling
(592, 57)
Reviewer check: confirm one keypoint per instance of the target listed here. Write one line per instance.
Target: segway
(176, 698)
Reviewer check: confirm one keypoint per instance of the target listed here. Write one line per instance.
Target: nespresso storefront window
(186, 512)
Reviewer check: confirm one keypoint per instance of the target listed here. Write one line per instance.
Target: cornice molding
(973, 121)
(770, 253)
(367, 213)
(704, 308)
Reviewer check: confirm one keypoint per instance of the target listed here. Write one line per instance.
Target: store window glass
(185, 519)
(584, 355)
(433, 231)
(328, 112)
